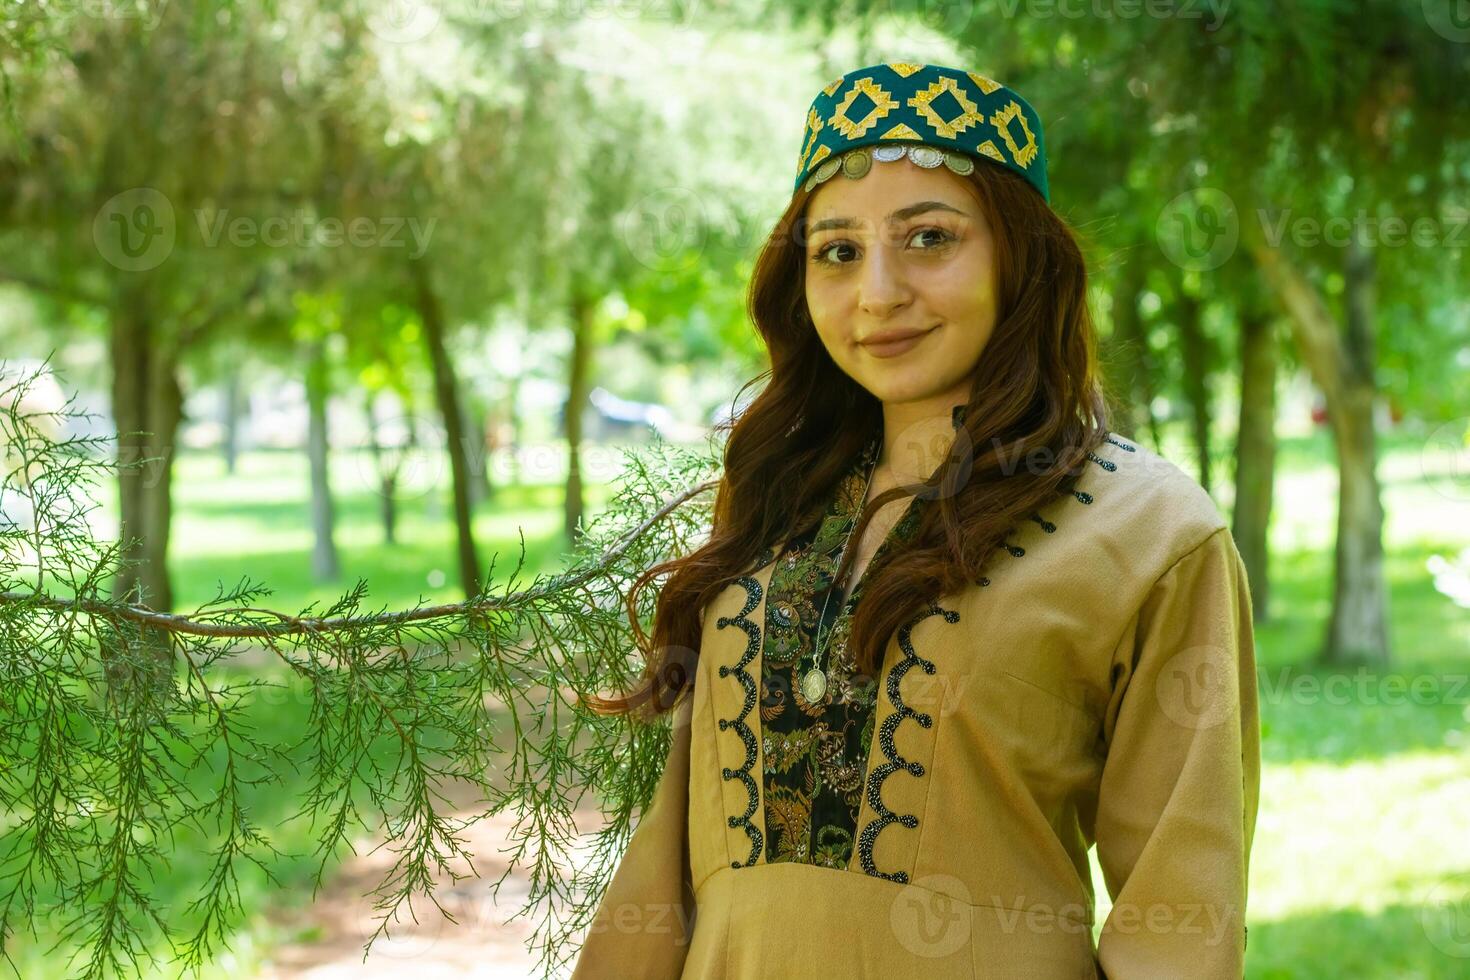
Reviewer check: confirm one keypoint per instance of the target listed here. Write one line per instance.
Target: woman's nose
(882, 287)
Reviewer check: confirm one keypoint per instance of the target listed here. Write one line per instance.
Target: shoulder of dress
(1145, 501)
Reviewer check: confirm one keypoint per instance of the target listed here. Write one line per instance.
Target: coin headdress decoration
(932, 114)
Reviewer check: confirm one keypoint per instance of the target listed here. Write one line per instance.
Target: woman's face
(901, 250)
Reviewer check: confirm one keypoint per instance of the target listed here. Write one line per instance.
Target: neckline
(868, 457)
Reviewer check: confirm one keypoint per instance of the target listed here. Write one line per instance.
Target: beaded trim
(857, 162)
(895, 762)
(1081, 496)
(747, 737)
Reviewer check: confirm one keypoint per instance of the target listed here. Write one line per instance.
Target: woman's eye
(825, 254)
(941, 237)
(837, 253)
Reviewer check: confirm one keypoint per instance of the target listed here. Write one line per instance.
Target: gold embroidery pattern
(814, 125)
(883, 104)
(987, 84)
(1001, 119)
(966, 115)
(948, 128)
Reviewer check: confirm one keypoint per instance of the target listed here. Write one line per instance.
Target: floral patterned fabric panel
(816, 753)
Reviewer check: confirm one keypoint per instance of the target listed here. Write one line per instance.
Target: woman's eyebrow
(902, 214)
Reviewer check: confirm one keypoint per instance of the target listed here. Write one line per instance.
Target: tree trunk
(1342, 367)
(446, 393)
(230, 422)
(387, 471)
(1133, 364)
(1195, 348)
(1360, 619)
(583, 310)
(1255, 453)
(147, 406)
(484, 485)
(513, 421)
(324, 565)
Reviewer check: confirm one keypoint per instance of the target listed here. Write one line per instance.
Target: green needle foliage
(109, 712)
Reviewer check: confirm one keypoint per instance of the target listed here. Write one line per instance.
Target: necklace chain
(814, 681)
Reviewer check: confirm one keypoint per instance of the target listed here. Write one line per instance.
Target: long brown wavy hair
(1036, 395)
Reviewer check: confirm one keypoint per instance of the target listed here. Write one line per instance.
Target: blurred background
(381, 288)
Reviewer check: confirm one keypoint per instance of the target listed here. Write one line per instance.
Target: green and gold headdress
(930, 113)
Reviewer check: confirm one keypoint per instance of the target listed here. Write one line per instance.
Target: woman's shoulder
(1142, 504)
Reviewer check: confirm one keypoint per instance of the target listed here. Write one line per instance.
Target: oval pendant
(813, 685)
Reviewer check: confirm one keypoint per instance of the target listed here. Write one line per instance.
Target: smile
(894, 342)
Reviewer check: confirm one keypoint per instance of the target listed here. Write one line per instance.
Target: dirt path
(482, 944)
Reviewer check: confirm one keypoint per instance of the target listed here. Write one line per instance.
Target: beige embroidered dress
(1097, 686)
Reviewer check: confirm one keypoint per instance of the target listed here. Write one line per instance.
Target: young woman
(950, 631)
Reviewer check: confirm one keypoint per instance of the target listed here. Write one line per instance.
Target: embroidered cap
(929, 113)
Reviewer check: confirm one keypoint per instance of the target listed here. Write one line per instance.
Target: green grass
(256, 522)
(1363, 841)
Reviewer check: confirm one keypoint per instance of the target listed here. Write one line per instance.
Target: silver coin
(857, 163)
(813, 685)
(958, 162)
(889, 152)
(927, 157)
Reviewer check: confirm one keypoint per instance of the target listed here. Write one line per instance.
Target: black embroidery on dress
(814, 755)
(1081, 496)
(747, 737)
(895, 762)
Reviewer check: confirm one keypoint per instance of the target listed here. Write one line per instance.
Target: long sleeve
(646, 918)
(1176, 805)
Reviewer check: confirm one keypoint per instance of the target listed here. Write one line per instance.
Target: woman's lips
(893, 348)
